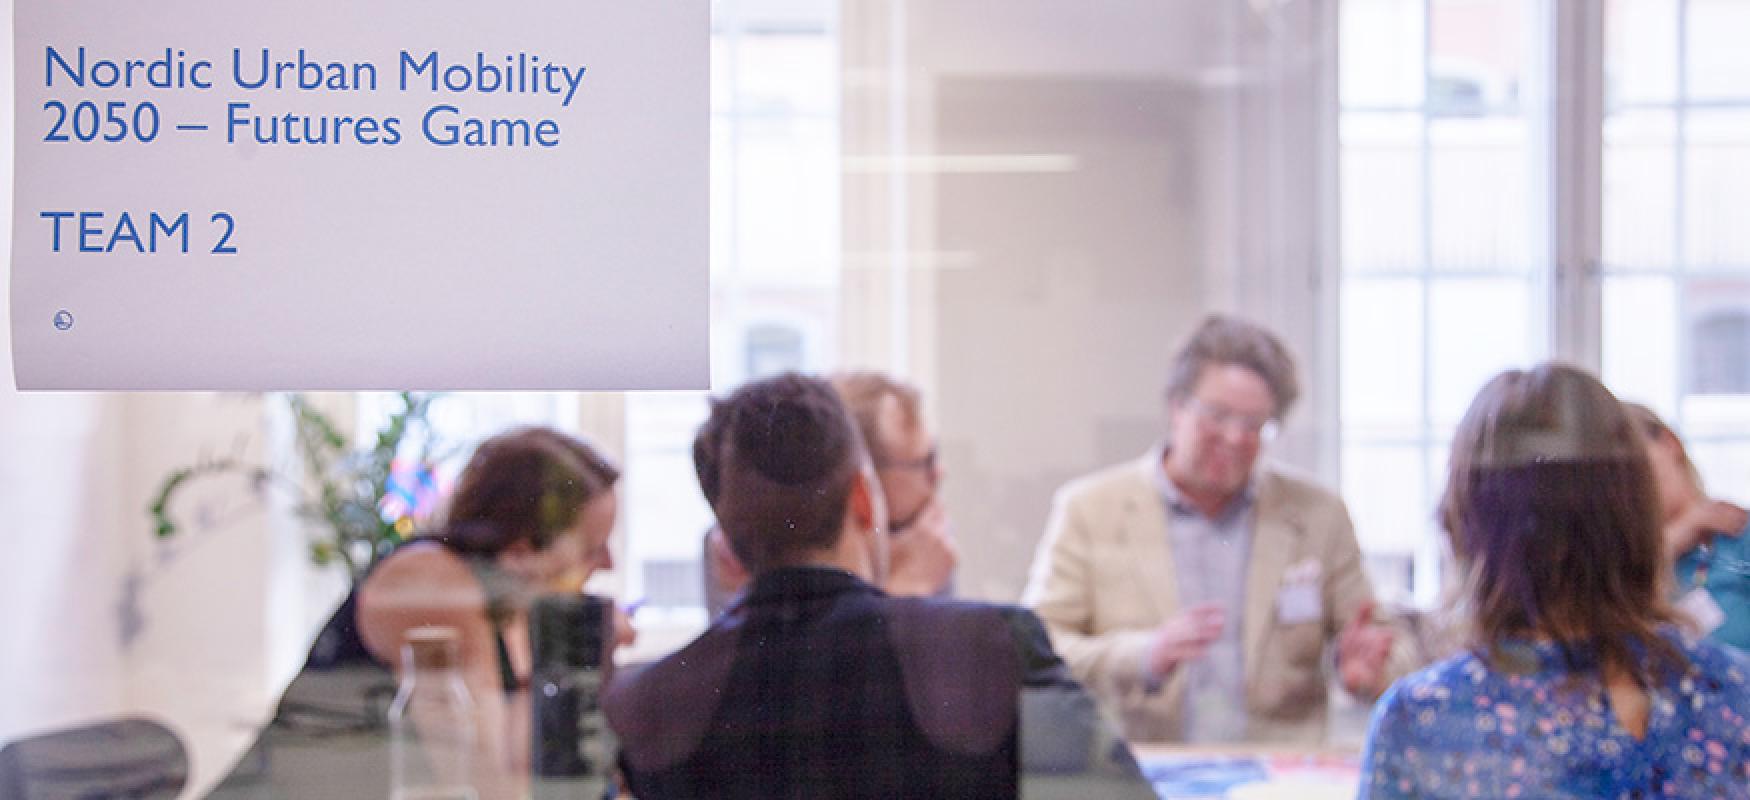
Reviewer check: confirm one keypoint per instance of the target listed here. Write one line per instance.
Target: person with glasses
(889, 414)
(1195, 590)
(815, 682)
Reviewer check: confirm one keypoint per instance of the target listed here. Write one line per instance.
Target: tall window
(774, 274)
(1449, 146)
(1442, 272)
(1676, 271)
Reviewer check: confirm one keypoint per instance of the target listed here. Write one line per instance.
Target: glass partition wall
(1021, 207)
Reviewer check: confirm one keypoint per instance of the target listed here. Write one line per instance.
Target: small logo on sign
(63, 320)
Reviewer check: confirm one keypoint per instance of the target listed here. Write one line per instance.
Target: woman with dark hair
(1577, 681)
(1704, 538)
(530, 514)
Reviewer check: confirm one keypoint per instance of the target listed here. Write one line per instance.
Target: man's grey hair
(1223, 340)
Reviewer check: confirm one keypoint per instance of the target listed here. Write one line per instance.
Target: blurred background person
(531, 514)
(1578, 682)
(889, 415)
(1704, 538)
(815, 682)
(1197, 589)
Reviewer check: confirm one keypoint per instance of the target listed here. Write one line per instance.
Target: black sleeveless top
(339, 643)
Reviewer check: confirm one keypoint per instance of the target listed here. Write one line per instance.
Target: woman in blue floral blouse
(1578, 681)
(1705, 539)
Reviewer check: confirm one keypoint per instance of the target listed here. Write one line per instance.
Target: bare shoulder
(420, 584)
(423, 571)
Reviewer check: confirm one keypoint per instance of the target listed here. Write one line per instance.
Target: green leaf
(340, 488)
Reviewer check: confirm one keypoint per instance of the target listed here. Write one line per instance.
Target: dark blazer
(816, 684)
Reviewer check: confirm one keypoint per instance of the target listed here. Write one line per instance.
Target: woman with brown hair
(530, 514)
(1577, 681)
(1704, 538)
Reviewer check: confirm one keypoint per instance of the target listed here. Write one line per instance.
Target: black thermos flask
(572, 750)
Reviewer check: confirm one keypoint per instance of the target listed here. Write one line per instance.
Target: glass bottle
(431, 723)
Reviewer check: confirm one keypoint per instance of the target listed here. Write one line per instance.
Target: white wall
(1185, 152)
(97, 618)
(57, 588)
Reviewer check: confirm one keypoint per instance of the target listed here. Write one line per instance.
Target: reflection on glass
(1434, 576)
(1059, 211)
(787, 231)
(1719, 332)
(1640, 52)
(666, 513)
(1394, 512)
(724, 174)
(1640, 162)
(1445, 197)
(1640, 340)
(1478, 327)
(775, 244)
(1381, 57)
(1718, 63)
(1382, 174)
(1383, 325)
(1481, 210)
(1476, 65)
(1676, 181)
(785, 73)
(1716, 191)
(1723, 461)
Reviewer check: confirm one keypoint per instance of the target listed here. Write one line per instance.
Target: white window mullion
(1427, 582)
(1680, 217)
(1576, 166)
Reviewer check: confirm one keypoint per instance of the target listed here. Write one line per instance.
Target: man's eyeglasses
(927, 464)
(1215, 418)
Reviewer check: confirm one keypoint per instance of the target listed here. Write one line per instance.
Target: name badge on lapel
(1701, 606)
(1299, 599)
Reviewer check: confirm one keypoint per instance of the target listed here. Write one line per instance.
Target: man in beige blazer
(1195, 591)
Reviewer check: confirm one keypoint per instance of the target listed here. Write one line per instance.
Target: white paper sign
(330, 194)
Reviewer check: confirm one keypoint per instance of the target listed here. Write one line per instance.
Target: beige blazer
(1103, 580)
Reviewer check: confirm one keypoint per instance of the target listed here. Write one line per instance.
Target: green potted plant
(363, 501)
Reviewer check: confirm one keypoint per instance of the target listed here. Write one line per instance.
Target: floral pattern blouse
(1533, 726)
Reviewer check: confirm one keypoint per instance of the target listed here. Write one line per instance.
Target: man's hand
(1185, 637)
(1362, 651)
(624, 633)
(1701, 519)
(922, 556)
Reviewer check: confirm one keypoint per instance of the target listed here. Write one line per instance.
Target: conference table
(328, 739)
(1250, 772)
